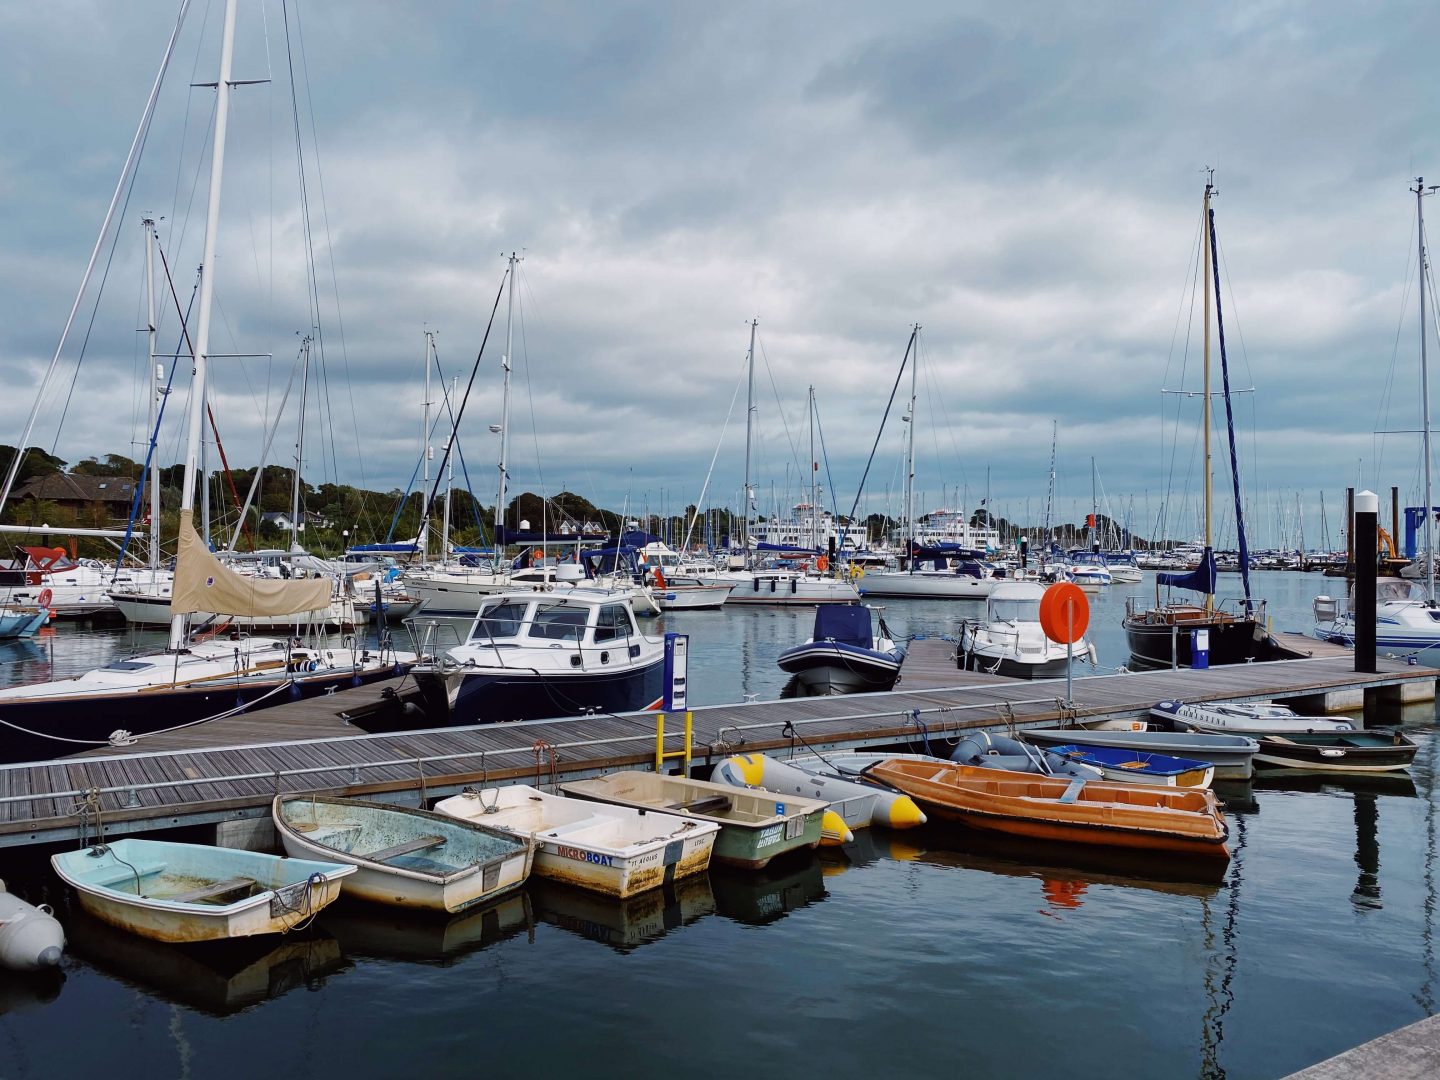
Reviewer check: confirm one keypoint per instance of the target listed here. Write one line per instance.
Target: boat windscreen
(1015, 610)
(501, 619)
(558, 622)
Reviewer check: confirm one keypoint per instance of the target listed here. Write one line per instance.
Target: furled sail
(1201, 579)
(204, 583)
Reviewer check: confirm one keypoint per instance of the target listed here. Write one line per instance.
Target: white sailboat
(934, 572)
(1406, 613)
(191, 680)
(757, 585)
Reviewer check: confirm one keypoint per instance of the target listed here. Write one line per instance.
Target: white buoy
(31, 937)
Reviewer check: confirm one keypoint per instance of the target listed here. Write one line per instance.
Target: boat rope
(541, 748)
(304, 909)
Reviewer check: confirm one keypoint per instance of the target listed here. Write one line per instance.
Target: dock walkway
(230, 769)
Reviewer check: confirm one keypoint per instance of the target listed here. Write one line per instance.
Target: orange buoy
(1064, 613)
(822, 564)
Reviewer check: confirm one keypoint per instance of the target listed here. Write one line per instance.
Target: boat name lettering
(581, 855)
(771, 834)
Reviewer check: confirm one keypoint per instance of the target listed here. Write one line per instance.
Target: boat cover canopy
(1201, 579)
(204, 583)
(848, 624)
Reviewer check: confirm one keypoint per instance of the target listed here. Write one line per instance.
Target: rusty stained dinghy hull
(1181, 821)
(755, 826)
(616, 850)
(192, 892)
(404, 856)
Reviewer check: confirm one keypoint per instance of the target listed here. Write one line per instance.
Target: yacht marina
(520, 506)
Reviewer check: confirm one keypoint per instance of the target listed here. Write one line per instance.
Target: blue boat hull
(37, 730)
(489, 697)
(834, 667)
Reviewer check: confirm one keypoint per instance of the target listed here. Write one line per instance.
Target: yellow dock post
(686, 752)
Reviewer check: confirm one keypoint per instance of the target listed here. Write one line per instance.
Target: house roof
(71, 487)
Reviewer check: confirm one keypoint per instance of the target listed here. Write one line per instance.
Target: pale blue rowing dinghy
(191, 892)
(403, 856)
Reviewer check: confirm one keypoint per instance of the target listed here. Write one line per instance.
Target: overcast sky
(1022, 180)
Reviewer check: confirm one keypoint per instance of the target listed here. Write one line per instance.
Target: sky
(1022, 181)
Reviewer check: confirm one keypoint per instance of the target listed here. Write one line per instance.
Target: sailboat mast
(207, 288)
(449, 479)
(152, 391)
(299, 445)
(425, 453)
(748, 496)
(814, 469)
(910, 450)
(1420, 194)
(505, 402)
(1094, 507)
(1205, 397)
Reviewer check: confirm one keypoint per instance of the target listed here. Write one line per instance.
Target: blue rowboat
(192, 892)
(1129, 766)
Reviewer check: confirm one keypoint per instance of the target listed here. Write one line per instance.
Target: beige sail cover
(204, 583)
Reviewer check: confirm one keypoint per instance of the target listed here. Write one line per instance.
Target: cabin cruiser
(1009, 640)
(1405, 617)
(530, 656)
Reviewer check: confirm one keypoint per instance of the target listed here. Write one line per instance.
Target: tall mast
(748, 495)
(1205, 397)
(152, 391)
(299, 446)
(1094, 506)
(207, 287)
(426, 452)
(1050, 491)
(910, 451)
(1420, 193)
(814, 469)
(449, 480)
(505, 401)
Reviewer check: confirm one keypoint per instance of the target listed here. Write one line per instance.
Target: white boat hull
(928, 583)
(617, 851)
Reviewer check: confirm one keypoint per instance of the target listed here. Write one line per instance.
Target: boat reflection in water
(30, 990)
(1060, 863)
(626, 924)
(217, 978)
(425, 938)
(869, 846)
(760, 897)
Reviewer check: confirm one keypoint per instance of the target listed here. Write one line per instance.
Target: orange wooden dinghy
(1183, 821)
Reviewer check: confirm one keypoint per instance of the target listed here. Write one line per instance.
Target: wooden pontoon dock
(228, 770)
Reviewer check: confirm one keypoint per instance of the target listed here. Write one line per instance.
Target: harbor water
(928, 952)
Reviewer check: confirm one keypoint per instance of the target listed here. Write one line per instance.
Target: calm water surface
(920, 953)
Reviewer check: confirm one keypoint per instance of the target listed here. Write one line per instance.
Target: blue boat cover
(1201, 579)
(846, 623)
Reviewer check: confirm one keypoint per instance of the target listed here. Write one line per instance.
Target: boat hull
(755, 826)
(294, 890)
(481, 696)
(899, 584)
(1020, 804)
(615, 850)
(503, 865)
(38, 728)
(833, 667)
(1233, 756)
(1363, 752)
(1160, 644)
(691, 597)
(1011, 668)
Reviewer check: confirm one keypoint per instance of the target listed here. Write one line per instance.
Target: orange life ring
(43, 600)
(822, 564)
